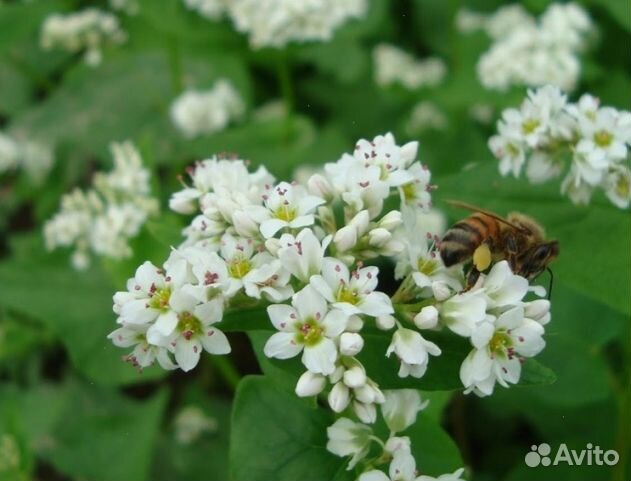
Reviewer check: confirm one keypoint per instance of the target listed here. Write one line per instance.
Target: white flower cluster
(210, 9)
(399, 411)
(426, 115)
(88, 30)
(300, 251)
(529, 51)
(196, 113)
(547, 129)
(275, 23)
(395, 66)
(103, 219)
(35, 158)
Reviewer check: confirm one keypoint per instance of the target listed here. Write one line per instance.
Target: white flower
(498, 344)
(353, 293)
(308, 326)
(618, 187)
(348, 438)
(602, 138)
(533, 53)
(302, 255)
(310, 384)
(190, 423)
(509, 151)
(427, 318)
(413, 351)
(351, 343)
(401, 407)
(87, 30)
(346, 238)
(196, 113)
(105, 218)
(144, 354)
(502, 288)
(275, 23)
(402, 468)
(426, 115)
(286, 205)
(463, 312)
(395, 66)
(211, 9)
(193, 331)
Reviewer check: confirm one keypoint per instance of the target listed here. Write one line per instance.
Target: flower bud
(244, 225)
(339, 397)
(441, 291)
(367, 413)
(379, 237)
(401, 407)
(355, 377)
(351, 343)
(391, 220)
(310, 384)
(385, 322)
(345, 238)
(395, 444)
(319, 185)
(336, 376)
(360, 222)
(272, 245)
(184, 201)
(427, 318)
(365, 394)
(538, 310)
(354, 323)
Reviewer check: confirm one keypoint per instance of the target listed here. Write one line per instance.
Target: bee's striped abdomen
(465, 236)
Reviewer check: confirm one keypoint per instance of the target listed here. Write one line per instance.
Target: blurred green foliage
(70, 409)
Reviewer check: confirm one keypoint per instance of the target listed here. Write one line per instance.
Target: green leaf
(204, 457)
(103, 436)
(75, 306)
(533, 372)
(276, 435)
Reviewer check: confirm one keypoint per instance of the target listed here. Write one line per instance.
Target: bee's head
(538, 257)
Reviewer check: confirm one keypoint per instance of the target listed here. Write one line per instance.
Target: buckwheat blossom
(88, 30)
(307, 326)
(195, 113)
(529, 51)
(190, 423)
(300, 251)
(500, 343)
(103, 219)
(18, 153)
(395, 66)
(285, 206)
(210, 9)
(547, 129)
(349, 438)
(426, 115)
(275, 23)
(352, 292)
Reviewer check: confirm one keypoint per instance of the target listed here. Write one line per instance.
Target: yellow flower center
(285, 212)
(530, 125)
(347, 295)
(427, 266)
(308, 332)
(500, 343)
(189, 325)
(239, 267)
(160, 299)
(409, 192)
(623, 187)
(602, 138)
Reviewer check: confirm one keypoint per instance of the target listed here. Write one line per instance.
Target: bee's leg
(511, 250)
(472, 278)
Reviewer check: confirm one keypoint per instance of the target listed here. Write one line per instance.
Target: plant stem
(227, 370)
(287, 91)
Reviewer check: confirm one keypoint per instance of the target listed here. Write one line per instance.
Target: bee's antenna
(550, 284)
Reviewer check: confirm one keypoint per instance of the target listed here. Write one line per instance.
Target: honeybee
(484, 237)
